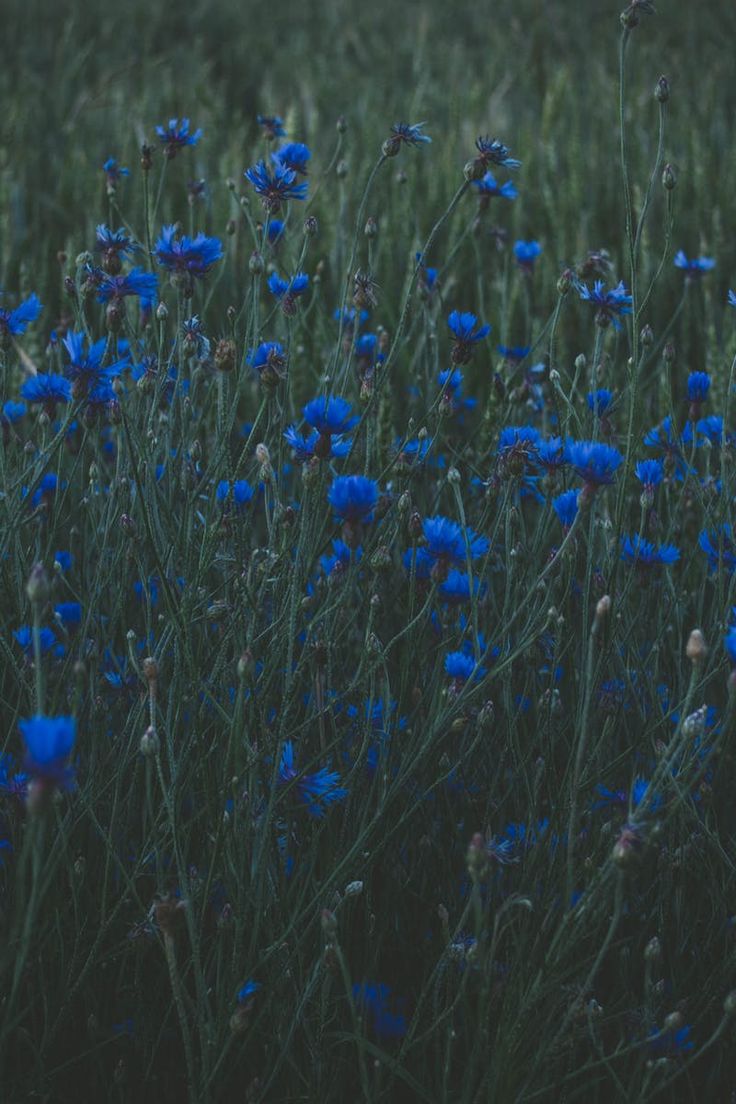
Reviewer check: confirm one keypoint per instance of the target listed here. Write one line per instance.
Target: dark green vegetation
(520, 886)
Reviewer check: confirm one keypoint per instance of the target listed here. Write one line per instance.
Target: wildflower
(49, 741)
(698, 385)
(493, 152)
(550, 454)
(317, 791)
(719, 548)
(566, 508)
(272, 125)
(294, 155)
(246, 991)
(514, 353)
(408, 134)
(388, 1020)
(13, 411)
(111, 289)
(650, 474)
(47, 389)
(594, 462)
(113, 174)
(240, 492)
(526, 253)
(487, 188)
(730, 644)
(610, 305)
(86, 370)
(277, 187)
(340, 559)
(329, 415)
(114, 246)
(695, 268)
(316, 445)
(600, 402)
(275, 230)
(47, 641)
(464, 326)
(427, 276)
(269, 360)
(288, 291)
(645, 554)
(459, 666)
(353, 498)
(192, 257)
(176, 136)
(732, 298)
(517, 446)
(16, 322)
(456, 587)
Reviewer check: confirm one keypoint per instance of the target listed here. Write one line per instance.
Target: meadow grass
(366, 680)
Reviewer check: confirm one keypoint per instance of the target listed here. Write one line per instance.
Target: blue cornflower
(16, 322)
(329, 415)
(14, 411)
(610, 305)
(550, 453)
(514, 353)
(114, 243)
(49, 741)
(269, 360)
(340, 559)
(246, 991)
(456, 587)
(427, 276)
(113, 173)
(275, 230)
(446, 541)
(600, 401)
(566, 507)
(412, 451)
(493, 152)
(176, 136)
(665, 437)
(594, 462)
(294, 155)
(318, 791)
(645, 554)
(240, 493)
(273, 126)
(459, 666)
(408, 133)
(670, 1041)
(316, 444)
(69, 613)
(24, 639)
(48, 389)
(387, 1012)
(698, 385)
(136, 282)
(730, 644)
(277, 187)
(732, 298)
(526, 253)
(719, 548)
(695, 268)
(288, 291)
(85, 369)
(464, 325)
(366, 347)
(353, 497)
(187, 256)
(650, 473)
(487, 187)
(517, 446)
(64, 560)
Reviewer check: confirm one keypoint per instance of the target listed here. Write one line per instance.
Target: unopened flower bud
(162, 312)
(653, 950)
(37, 587)
(662, 90)
(341, 169)
(647, 336)
(341, 124)
(150, 743)
(371, 228)
(669, 177)
(474, 169)
(696, 649)
(255, 264)
(353, 889)
(311, 226)
(329, 925)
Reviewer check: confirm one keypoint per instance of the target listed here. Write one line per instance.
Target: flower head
(294, 155)
(464, 325)
(600, 401)
(610, 305)
(47, 389)
(136, 282)
(176, 136)
(720, 548)
(316, 444)
(526, 253)
(318, 790)
(645, 554)
(16, 322)
(566, 507)
(275, 187)
(408, 134)
(594, 462)
(698, 385)
(113, 174)
(695, 268)
(493, 152)
(288, 291)
(185, 255)
(269, 360)
(272, 125)
(353, 497)
(650, 473)
(329, 415)
(85, 368)
(487, 187)
(49, 741)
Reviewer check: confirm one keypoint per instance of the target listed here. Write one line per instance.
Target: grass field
(367, 613)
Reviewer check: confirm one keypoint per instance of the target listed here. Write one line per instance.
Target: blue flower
(47, 641)
(136, 282)
(459, 666)
(610, 305)
(386, 1011)
(713, 430)
(64, 560)
(719, 548)
(650, 473)
(273, 126)
(113, 173)
(594, 462)
(192, 256)
(456, 587)
(340, 558)
(14, 411)
(275, 230)
(493, 152)
(269, 360)
(566, 507)
(241, 492)
(671, 1041)
(645, 554)
(526, 253)
(446, 541)
(732, 298)
(698, 385)
(464, 325)
(49, 741)
(428, 276)
(47, 389)
(316, 444)
(550, 454)
(730, 644)
(353, 497)
(488, 187)
(69, 613)
(317, 791)
(176, 136)
(695, 268)
(16, 322)
(117, 243)
(329, 415)
(246, 991)
(288, 291)
(277, 187)
(408, 133)
(600, 401)
(85, 369)
(514, 353)
(294, 155)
